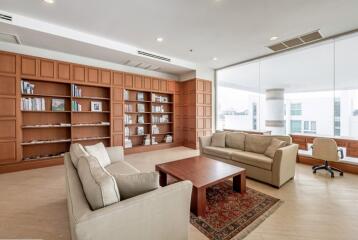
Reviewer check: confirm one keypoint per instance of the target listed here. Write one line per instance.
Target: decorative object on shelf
(140, 107)
(158, 98)
(157, 108)
(128, 108)
(168, 138)
(140, 119)
(126, 95)
(76, 91)
(127, 132)
(33, 104)
(140, 130)
(127, 143)
(96, 106)
(155, 129)
(128, 119)
(76, 107)
(27, 87)
(154, 141)
(58, 105)
(140, 96)
(147, 140)
(160, 119)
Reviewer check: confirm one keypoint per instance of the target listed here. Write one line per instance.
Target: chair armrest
(203, 142)
(115, 153)
(284, 163)
(159, 214)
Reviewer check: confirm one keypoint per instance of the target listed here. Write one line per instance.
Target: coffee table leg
(162, 179)
(239, 183)
(198, 201)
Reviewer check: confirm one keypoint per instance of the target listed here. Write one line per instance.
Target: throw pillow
(98, 184)
(218, 139)
(131, 185)
(272, 148)
(99, 151)
(77, 151)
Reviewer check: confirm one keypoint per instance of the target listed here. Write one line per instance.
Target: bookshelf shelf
(43, 158)
(90, 112)
(25, 111)
(89, 139)
(93, 98)
(135, 124)
(45, 126)
(45, 95)
(36, 142)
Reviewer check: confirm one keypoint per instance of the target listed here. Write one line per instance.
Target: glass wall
(320, 84)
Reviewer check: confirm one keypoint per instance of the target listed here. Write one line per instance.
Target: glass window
(306, 125)
(296, 109)
(296, 126)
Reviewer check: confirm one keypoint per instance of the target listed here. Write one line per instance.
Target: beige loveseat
(248, 151)
(159, 214)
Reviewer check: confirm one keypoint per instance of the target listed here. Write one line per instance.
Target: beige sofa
(248, 151)
(159, 214)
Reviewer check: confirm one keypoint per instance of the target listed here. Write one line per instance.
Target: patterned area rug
(230, 215)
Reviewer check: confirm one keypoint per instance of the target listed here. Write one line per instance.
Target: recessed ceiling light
(49, 1)
(160, 39)
(215, 58)
(273, 38)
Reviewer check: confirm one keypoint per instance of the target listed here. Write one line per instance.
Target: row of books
(160, 119)
(76, 91)
(27, 87)
(33, 104)
(158, 109)
(76, 106)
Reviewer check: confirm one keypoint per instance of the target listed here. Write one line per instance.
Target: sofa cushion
(235, 140)
(131, 185)
(220, 152)
(218, 139)
(121, 167)
(272, 148)
(99, 151)
(77, 151)
(253, 159)
(257, 143)
(98, 184)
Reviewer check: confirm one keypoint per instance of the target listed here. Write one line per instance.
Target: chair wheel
(332, 175)
(314, 171)
(313, 167)
(341, 174)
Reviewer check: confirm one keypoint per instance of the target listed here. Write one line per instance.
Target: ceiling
(231, 30)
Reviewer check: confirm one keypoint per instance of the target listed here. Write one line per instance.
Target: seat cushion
(272, 148)
(253, 159)
(235, 140)
(121, 167)
(98, 184)
(220, 152)
(99, 151)
(76, 152)
(131, 185)
(257, 143)
(218, 139)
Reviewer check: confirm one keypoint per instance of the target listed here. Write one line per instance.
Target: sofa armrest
(159, 214)
(203, 142)
(284, 163)
(115, 153)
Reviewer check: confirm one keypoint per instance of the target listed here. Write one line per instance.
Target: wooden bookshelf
(152, 112)
(43, 127)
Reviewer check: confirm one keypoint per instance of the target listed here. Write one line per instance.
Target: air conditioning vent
(297, 41)
(9, 38)
(5, 17)
(154, 56)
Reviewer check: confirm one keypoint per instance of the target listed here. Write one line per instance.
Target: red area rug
(231, 215)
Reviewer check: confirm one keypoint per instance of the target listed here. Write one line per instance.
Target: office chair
(326, 149)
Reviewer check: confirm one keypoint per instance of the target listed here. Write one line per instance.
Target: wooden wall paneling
(93, 75)
(8, 152)
(7, 85)
(78, 73)
(63, 71)
(29, 66)
(128, 80)
(171, 86)
(147, 81)
(138, 82)
(117, 79)
(155, 84)
(163, 85)
(47, 69)
(7, 63)
(8, 107)
(105, 77)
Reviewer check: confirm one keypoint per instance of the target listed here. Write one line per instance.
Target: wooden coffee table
(203, 172)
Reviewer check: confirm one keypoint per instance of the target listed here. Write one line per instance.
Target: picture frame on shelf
(96, 106)
(58, 104)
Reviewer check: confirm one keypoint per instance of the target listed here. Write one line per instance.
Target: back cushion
(76, 152)
(218, 139)
(257, 143)
(99, 185)
(99, 151)
(236, 140)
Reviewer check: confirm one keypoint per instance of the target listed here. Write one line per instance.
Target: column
(274, 111)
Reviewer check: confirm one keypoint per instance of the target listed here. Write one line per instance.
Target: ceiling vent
(141, 65)
(154, 56)
(4, 17)
(297, 41)
(9, 38)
